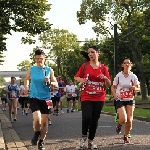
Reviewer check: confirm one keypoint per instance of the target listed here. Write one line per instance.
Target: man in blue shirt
(57, 96)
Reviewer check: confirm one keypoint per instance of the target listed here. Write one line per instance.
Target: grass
(137, 98)
(137, 112)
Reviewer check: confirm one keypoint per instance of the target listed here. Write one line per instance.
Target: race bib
(126, 94)
(49, 104)
(94, 89)
(74, 95)
(13, 96)
(69, 94)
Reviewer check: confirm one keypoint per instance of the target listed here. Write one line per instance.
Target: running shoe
(129, 135)
(41, 145)
(126, 140)
(91, 145)
(118, 128)
(49, 122)
(81, 143)
(35, 138)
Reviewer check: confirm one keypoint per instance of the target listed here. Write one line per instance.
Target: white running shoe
(49, 122)
(81, 143)
(61, 112)
(22, 113)
(91, 145)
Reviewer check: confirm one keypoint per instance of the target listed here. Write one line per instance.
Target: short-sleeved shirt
(70, 89)
(3, 93)
(14, 88)
(22, 89)
(124, 84)
(58, 93)
(92, 75)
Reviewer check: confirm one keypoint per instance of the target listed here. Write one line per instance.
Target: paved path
(65, 132)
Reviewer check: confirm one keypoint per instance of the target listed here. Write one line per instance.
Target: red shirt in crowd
(92, 77)
(63, 84)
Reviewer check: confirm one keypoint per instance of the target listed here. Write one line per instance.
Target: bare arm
(53, 79)
(107, 82)
(113, 91)
(78, 79)
(136, 88)
(26, 80)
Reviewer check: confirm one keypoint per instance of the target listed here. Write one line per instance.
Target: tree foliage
(22, 16)
(62, 49)
(24, 65)
(125, 12)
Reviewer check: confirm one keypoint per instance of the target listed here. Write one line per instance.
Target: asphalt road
(65, 133)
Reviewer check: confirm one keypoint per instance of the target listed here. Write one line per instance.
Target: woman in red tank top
(94, 76)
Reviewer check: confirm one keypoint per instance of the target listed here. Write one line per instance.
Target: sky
(63, 16)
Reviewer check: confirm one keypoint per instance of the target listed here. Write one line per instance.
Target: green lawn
(137, 98)
(137, 111)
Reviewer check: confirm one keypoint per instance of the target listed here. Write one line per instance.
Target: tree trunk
(137, 56)
(147, 85)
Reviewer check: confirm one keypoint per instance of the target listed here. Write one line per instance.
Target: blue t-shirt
(14, 88)
(58, 94)
(38, 87)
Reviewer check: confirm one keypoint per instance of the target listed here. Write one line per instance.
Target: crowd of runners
(46, 94)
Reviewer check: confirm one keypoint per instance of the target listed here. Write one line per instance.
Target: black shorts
(56, 99)
(4, 99)
(75, 98)
(119, 104)
(36, 104)
(23, 102)
(69, 99)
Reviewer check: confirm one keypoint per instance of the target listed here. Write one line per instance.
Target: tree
(118, 10)
(24, 65)
(62, 48)
(2, 80)
(22, 16)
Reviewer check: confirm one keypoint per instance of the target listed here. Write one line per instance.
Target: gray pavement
(65, 133)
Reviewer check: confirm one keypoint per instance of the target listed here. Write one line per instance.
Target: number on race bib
(49, 104)
(126, 94)
(94, 89)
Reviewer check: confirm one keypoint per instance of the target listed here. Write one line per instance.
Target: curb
(135, 117)
(10, 138)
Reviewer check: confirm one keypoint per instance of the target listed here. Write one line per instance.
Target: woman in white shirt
(123, 89)
(23, 99)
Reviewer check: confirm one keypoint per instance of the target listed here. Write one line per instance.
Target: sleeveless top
(38, 87)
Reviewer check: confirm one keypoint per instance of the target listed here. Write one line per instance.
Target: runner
(12, 90)
(41, 78)
(124, 86)
(23, 99)
(75, 98)
(62, 93)
(70, 89)
(57, 96)
(93, 75)
(3, 96)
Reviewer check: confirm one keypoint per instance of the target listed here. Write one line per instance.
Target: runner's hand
(102, 76)
(84, 80)
(47, 80)
(26, 92)
(115, 97)
(133, 88)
